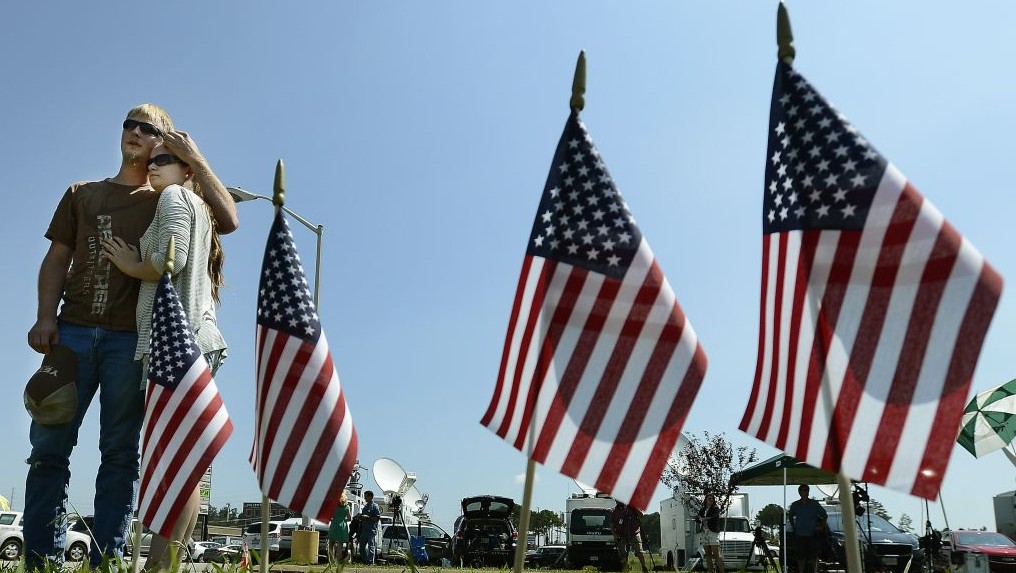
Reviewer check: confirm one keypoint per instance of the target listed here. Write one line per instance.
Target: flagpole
(137, 527)
(577, 103)
(850, 546)
(278, 199)
(786, 53)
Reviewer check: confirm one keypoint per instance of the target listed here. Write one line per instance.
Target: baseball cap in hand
(51, 396)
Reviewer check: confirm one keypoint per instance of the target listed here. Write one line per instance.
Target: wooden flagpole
(278, 199)
(850, 546)
(786, 53)
(577, 103)
(136, 527)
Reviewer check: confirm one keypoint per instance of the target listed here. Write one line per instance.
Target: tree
(878, 509)
(706, 464)
(906, 523)
(541, 521)
(651, 531)
(771, 518)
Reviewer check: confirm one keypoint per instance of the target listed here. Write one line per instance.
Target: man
(807, 518)
(97, 322)
(626, 525)
(369, 519)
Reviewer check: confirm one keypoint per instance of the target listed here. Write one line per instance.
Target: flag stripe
(509, 353)
(531, 362)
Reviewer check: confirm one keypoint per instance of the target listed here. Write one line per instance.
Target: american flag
(600, 366)
(186, 423)
(873, 308)
(305, 444)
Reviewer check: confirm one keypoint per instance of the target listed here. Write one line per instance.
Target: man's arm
(52, 277)
(214, 192)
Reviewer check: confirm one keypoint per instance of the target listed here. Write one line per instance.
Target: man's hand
(43, 335)
(180, 144)
(213, 191)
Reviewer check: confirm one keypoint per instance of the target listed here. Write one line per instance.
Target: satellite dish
(388, 475)
(828, 491)
(413, 499)
(586, 488)
(391, 478)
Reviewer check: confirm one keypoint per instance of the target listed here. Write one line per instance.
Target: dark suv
(485, 535)
(887, 548)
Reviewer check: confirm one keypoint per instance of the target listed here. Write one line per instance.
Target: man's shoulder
(105, 185)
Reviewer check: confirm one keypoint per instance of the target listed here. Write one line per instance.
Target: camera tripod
(759, 544)
(397, 521)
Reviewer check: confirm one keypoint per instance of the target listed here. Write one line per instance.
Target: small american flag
(305, 445)
(186, 423)
(600, 367)
(873, 308)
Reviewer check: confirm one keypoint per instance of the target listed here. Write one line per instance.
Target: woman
(197, 276)
(338, 532)
(709, 518)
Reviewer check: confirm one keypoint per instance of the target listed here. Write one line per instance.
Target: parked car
(280, 536)
(199, 549)
(83, 525)
(227, 539)
(231, 553)
(393, 544)
(546, 556)
(439, 543)
(295, 523)
(890, 548)
(999, 549)
(485, 535)
(12, 541)
(252, 537)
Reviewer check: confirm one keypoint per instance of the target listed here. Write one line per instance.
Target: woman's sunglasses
(163, 159)
(146, 128)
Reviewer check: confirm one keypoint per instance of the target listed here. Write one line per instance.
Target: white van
(280, 536)
(252, 536)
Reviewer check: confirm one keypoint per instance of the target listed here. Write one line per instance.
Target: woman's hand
(126, 257)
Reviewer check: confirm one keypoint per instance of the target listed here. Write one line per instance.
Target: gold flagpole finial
(784, 36)
(578, 88)
(171, 255)
(279, 196)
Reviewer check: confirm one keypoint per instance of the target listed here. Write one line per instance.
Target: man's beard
(132, 158)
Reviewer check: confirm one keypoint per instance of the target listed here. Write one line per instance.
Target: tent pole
(784, 550)
(850, 546)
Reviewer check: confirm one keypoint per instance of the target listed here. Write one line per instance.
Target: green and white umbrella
(989, 421)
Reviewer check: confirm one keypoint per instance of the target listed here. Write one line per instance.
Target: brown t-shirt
(96, 292)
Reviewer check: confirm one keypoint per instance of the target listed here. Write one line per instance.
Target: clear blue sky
(420, 134)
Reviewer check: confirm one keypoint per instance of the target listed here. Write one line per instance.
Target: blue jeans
(368, 547)
(105, 365)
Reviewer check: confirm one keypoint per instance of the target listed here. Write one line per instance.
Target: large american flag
(600, 366)
(186, 423)
(305, 444)
(873, 308)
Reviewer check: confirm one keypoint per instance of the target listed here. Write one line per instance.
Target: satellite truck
(587, 522)
(679, 537)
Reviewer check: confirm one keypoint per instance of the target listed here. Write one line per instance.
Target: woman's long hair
(216, 255)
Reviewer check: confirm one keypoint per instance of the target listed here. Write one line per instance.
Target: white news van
(590, 540)
(679, 533)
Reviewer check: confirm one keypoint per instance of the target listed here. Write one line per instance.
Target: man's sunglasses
(146, 128)
(164, 159)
